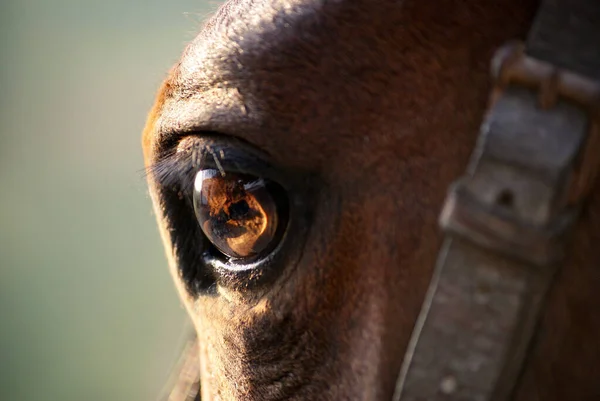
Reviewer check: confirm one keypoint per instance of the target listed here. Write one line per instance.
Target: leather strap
(508, 217)
(184, 383)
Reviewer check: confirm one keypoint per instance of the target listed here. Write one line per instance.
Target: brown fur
(382, 101)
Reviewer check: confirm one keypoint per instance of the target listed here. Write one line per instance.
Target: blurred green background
(87, 308)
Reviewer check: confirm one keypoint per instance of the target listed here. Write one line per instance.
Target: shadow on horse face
(351, 117)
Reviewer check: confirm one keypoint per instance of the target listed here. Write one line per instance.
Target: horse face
(351, 118)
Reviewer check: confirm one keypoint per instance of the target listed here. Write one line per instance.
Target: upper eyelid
(176, 167)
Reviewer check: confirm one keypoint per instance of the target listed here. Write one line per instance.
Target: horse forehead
(297, 41)
(309, 68)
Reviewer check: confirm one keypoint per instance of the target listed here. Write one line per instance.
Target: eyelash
(176, 169)
(174, 172)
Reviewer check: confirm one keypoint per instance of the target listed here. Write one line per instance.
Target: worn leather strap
(508, 218)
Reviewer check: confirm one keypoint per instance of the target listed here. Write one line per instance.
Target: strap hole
(506, 199)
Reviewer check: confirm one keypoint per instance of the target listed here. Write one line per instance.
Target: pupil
(239, 209)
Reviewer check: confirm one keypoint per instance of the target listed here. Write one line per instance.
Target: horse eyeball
(238, 213)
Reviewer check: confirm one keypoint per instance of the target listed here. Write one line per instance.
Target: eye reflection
(238, 213)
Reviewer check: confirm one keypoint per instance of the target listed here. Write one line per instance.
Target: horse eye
(243, 216)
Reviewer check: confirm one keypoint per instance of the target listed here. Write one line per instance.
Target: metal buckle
(483, 213)
(511, 66)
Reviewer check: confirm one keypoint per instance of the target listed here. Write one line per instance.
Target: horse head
(298, 155)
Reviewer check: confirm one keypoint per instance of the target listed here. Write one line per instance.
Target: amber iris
(237, 212)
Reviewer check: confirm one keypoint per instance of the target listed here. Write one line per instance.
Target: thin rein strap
(507, 219)
(184, 384)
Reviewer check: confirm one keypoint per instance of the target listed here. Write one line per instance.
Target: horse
(298, 155)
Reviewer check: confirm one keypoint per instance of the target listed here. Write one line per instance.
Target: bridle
(506, 220)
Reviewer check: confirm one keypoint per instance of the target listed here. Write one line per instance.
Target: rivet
(448, 385)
